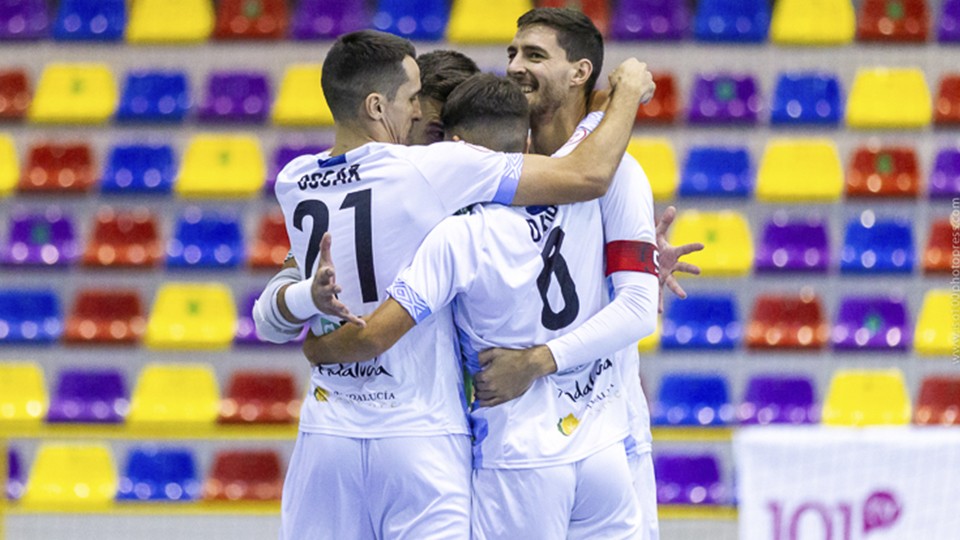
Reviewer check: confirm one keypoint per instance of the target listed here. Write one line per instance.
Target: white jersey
(379, 201)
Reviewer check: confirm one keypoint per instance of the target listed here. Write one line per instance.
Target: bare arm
(352, 343)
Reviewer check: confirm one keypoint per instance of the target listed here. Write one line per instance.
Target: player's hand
(670, 257)
(324, 288)
(632, 75)
(506, 374)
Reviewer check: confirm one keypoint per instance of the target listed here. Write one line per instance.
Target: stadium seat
(893, 21)
(873, 323)
(74, 94)
(689, 479)
(67, 475)
(736, 21)
(935, 333)
(106, 316)
(882, 171)
(939, 401)
(30, 316)
(9, 165)
(883, 98)
(24, 20)
(14, 94)
(260, 397)
(205, 240)
(36, 239)
(597, 10)
(717, 172)
(159, 474)
(794, 246)
(726, 235)
(650, 20)
(251, 19)
(89, 395)
(947, 111)
(300, 101)
(154, 96)
(170, 21)
(867, 398)
(139, 169)
(23, 393)
(128, 239)
(872, 245)
(192, 316)
(936, 258)
(812, 22)
(724, 98)
(492, 22)
(778, 399)
(15, 478)
(236, 96)
(62, 168)
(271, 246)
(787, 322)
(418, 20)
(949, 28)
(945, 178)
(90, 20)
(221, 166)
(800, 170)
(245, 476)
(806, 98)
(175, 394)
(692, 400)
(284, 154)
(659, 163)
(704, 321)
(328, 19)
(664, 106)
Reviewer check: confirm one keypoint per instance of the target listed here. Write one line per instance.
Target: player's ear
(455, 138)
(374, 105)
(581, 72)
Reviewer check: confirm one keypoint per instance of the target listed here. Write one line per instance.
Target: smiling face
(540, 66)
(400, 113)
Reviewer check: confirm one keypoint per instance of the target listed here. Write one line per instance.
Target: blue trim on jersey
(511, 178)
(408, 298)
(480, 430)
(630, 445)
(333, 161)
(469, 355)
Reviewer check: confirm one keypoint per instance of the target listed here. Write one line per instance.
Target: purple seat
(778, 400)
(89, 395)
(650, 20)
(246, 330)
(23, 19)
(793, 246)
(15, 476)
(236, 97)
(37, 239)
(285, 154)
(945, 178)
(328, 19)
(871, 323)
(689, 479)
(949, 30)
(724, 98)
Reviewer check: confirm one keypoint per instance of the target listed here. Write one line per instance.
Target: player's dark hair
(362, 63)
(442, 71)
(576, 35)
(489, 111)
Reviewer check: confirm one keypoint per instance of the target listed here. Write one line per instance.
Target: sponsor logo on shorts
(374, 399)
(320, 394)
(353, 371)
(568, 424)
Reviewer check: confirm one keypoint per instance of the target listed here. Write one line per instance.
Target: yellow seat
(74, 94)
(485, 21)
(23, 394)
(800, 170)
(659, 162)
(652, 342)
(812, 22)
(867, 398)
(728, 245)
(935, 330)
(71, 475)
(192, 316)
(884, 98)
(222, 166)
(9, 166)
(170, 21)
(175, 394)
(300, 101)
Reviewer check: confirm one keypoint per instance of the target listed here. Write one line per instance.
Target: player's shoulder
(300, 165)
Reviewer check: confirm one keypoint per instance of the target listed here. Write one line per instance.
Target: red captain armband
(633, 256)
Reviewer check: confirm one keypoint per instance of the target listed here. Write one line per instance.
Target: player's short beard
(549, 99)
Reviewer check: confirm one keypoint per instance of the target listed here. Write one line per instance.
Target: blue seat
(419, 20)
(716, 172)
(737, 21)
(30, 316)
(154, 96)
(90, 20)
(139, 169)
(872, 245)
(807, 98)
(205, 240)
(154, 474)
(701, 322)
(693, 400)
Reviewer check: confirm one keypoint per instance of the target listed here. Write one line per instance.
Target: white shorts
(590, 499)
(397, 488)
(644, 481)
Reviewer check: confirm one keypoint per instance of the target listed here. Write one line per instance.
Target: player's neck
(551, 130)
(347, 138)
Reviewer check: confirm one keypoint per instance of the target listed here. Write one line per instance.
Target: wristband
(299, 298)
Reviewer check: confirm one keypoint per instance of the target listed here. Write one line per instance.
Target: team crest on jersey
(320, 394)
(568, 424)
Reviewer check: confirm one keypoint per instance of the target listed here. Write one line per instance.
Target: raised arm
(352, 343)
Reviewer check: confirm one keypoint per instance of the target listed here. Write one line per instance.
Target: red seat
(58, 167)
(244, 476)
(251, 19)
(787, 322)
(14, 94)
(124, 239)
(271, 245)
(947, 107)
(884, 172)
(106, 316)
(939, 401)
(936, 258)
(260, 397)
(665, 103)
(597, 10)
(893, 21)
